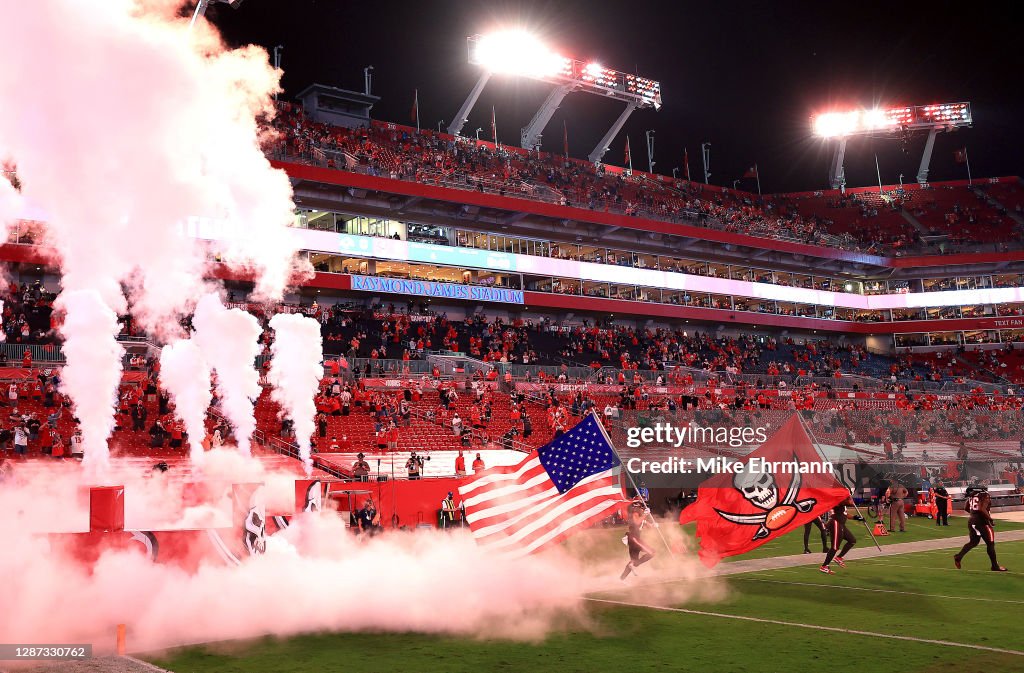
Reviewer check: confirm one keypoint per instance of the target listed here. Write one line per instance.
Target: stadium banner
(374, 247)
(432, 290)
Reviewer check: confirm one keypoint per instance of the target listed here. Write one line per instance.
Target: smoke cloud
(315, 575)
(125, 127)
(186, 376)
(229, 341)
(295, 372)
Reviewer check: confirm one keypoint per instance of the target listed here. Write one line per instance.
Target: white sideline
(815, 627)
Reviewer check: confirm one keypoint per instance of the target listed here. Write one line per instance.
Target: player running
(838, 531)
(979, 527)
(820, 525)
(639, 553)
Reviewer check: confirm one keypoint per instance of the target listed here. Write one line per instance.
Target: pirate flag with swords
(741, 510)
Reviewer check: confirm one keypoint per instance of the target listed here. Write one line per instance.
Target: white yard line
(815, 627)
(879, 591)
(859, 555)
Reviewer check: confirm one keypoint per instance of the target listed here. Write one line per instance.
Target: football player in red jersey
(838, 531)
(639, 553)
(979, 527)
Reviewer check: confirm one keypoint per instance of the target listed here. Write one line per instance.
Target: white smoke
(186, 376)
(92, 375)
(229, 341)
(163, 130)
(315, 576)
(125, 126)
(295, 372)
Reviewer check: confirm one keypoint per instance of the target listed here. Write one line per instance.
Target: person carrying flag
(839, 531)
(639, 553)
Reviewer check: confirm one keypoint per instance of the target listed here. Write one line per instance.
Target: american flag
(566, 485)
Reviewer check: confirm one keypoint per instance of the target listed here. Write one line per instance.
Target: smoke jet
(229, 342)
(185, 374)
(295, 372)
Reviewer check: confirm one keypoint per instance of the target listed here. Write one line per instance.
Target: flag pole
(967, 160)
(864, 521)
(757, 174)
(814, 443)
(647, 510)
(416, 100)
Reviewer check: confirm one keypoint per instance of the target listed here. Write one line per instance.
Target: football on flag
(738, 513)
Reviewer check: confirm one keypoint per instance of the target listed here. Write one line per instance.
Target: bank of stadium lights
(899, 121)
(854, 122)
(521, 54)
(516, 53)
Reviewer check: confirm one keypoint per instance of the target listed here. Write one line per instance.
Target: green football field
(906, 613)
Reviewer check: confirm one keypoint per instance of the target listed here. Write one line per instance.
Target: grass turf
(919, 595)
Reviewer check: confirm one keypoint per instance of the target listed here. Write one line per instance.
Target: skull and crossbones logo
(314, 498)
(761, 491)
(254, 527)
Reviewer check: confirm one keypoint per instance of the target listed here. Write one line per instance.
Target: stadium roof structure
(523, 55)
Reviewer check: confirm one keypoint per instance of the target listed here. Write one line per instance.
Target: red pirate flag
(740, 511)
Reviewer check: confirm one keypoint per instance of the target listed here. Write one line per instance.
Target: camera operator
(414, 466)
(508, 439)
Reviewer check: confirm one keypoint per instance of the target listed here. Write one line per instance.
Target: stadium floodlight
(516, 52)
(860, 122)
(522, 54)
(899, 121)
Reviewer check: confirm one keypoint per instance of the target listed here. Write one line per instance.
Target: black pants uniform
(821, 529)
(839, 531)
(637, 556)
(979, 529)
(942, 513)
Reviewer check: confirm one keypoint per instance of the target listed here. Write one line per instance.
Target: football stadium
(518, 336)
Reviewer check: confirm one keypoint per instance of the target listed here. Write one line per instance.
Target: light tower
(202, 5)
(894, 122)
(523, 55)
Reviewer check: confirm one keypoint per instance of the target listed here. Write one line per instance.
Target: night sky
(744, 76)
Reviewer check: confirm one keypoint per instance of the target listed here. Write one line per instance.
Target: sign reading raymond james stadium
(426, 288)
